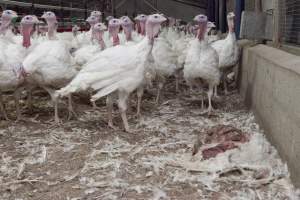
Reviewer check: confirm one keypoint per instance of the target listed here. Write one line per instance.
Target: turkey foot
(72, 113)
(111, 125)
(20, 118)
(125, 122)
(94, 105)
(3, 112)
(208, 111)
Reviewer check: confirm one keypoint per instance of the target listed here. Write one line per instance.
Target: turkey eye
(155, 16)
(27, 18)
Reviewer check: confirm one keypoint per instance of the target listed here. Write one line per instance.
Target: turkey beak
(163, 19)
(14, 14)
(36, 20)
(43, 16)
(196, 19)
(88, 19)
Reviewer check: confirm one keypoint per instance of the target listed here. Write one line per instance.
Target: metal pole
(61, 14)
(211, 10)
(276, 30)
(113, 8)
(239, 8)
(222, 15)
(85, 8)
(32, 7)
(217, 14)
(135, 8)
(258, 6)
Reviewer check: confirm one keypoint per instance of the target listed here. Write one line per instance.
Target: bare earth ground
(84, 159)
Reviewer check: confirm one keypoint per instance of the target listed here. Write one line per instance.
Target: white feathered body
(227, 50)
(11, 58)
(202, 62)
(164, 57)
(181, 48)
(82, 39)
(50, 64)
(172, 35)
(119, 68)
(86, 53)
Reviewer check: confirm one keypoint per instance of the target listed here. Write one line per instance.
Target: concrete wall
(269, 82)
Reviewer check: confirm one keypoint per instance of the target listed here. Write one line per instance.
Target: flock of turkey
(107, 62)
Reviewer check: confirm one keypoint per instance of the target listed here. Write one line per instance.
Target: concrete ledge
(269, 82)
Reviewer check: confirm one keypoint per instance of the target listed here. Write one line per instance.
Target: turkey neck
(51, 29)
(4, 26)
(143, 27)
(114, 33)
(128, 31)
(231, 25)
(26, 30)
(138, 27)
(93, 35)
(98, 37)
(152, 30)
(202, 31)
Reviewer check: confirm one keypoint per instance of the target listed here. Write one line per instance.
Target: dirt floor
(84, 159)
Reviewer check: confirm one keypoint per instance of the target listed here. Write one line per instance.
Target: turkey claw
(71, 115)
(110, 125)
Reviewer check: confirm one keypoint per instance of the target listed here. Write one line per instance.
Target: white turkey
(201, 65)
(164, 62)
(97, 14)
(75, 30)
(12, 74)
(113, 29)
(87, 52)
(86, 38)
(6, 19)
(141, 24)
(133, 38)
(228, 51)
(211, 38)
(120, 70)
(130, 35)
(49, 65)
(172, 34)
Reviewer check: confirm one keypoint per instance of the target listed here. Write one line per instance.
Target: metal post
(239, 8)
(135, 8)
(276, 31)
(258, 6)
(61, 14)
(211, 11)
(222, 15)
(217, 14)
(85, 8)
(113, 8)
(32, 7)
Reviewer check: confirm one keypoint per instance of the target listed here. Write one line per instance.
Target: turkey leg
(210, 94)
(71, 108)
(17, 102)
(123, 97)
(2, 108)
(140, 92)
(109, 105)
(55, 102)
